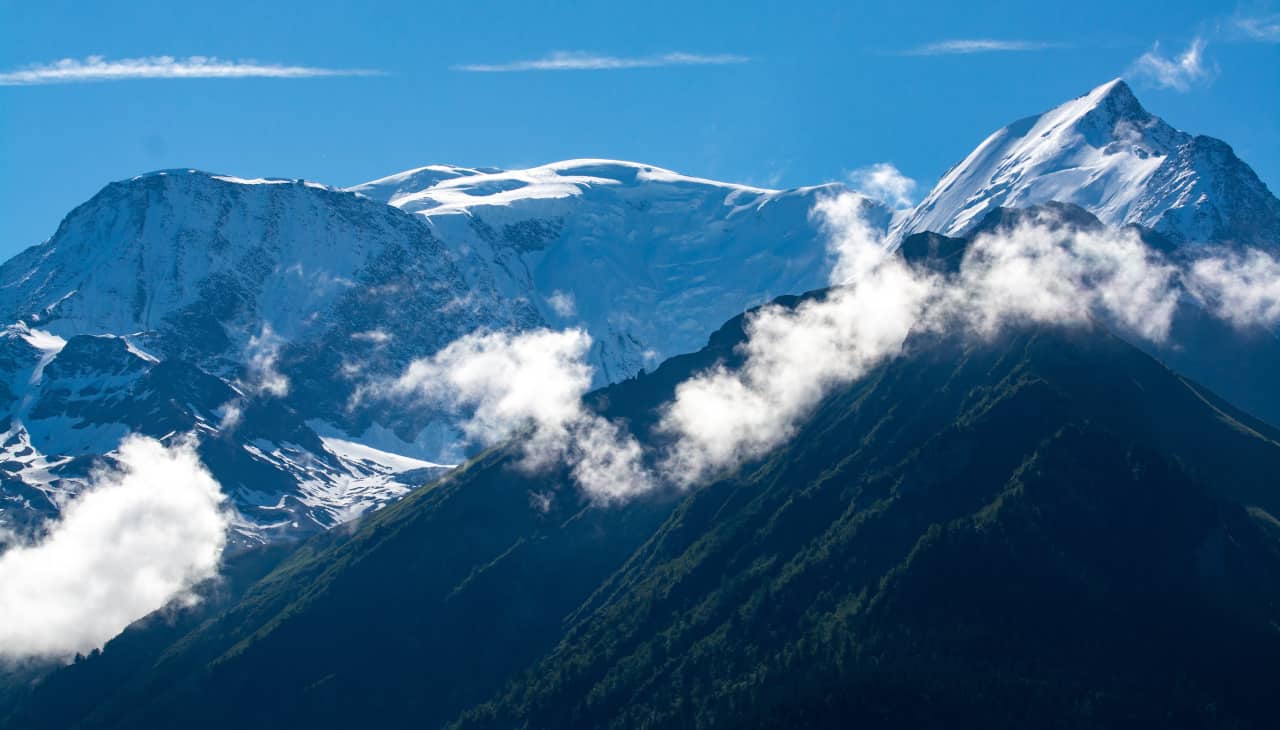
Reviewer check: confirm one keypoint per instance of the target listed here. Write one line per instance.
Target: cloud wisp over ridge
(1039, 271)
(529, 385)
(794, 356)
(98, 68)
(962, 46)
(1242, 288)
(587, 61)
(1180, 72)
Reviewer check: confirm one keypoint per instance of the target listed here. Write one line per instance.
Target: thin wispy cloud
(960, 46)
(1264, 28)
(1179, 73)
(584, 61)
(98, 68)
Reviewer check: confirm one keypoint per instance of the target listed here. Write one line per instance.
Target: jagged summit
(1108, 104)
(1106, 153)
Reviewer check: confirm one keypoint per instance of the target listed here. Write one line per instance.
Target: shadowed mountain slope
(1051, 528)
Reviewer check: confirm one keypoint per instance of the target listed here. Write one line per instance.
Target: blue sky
(774, 94)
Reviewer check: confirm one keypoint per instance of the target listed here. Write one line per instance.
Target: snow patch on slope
(378, 459)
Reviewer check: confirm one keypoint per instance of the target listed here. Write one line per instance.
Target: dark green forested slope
(1047, 530)
(1048, 533)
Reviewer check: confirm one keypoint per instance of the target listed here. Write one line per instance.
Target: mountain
(150, 306)
(81, 396)
(251, 310)
(1049, 529)
(1104, 152)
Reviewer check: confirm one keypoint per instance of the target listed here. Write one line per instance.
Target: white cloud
(884, 182)
(530, 385)
(585, 61)
(562, 303)
(262, 376)
(374, 336)
(263, 353)
(508, 380)
(1179, 73)
(229, 416)
(1242, 288)
(134, 540)
(97, 68)
(606, 461)
(976, 45)
(1043, 273)
(1038, 272)
(795, 356)
(1264, 28)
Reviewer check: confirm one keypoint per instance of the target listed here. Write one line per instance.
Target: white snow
(133, 349)
(394, 463)
(40, 339)
(136, 259)
(1098, 151)
(370, 479)
(36, 466)
(251, 181)
(390, 188)
(47, 343)
(459, 190)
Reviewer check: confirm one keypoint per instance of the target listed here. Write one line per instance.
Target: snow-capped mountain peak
(1106, 153)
